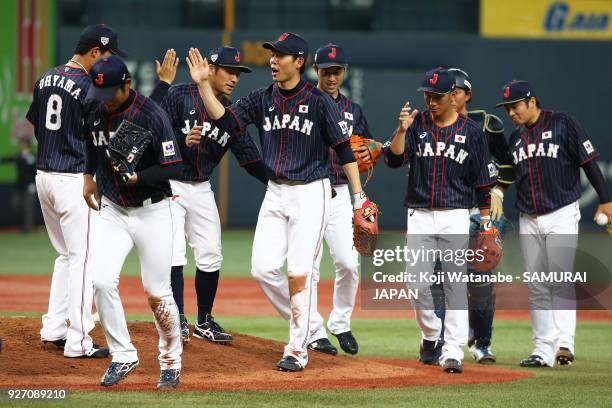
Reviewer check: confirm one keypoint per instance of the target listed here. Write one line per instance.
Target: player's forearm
(160, 91)
(214, 108)
(155, 175)
(596, 178)
(398, 143)
(352, 173)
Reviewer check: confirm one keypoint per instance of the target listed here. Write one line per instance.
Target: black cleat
(289, 364)
(347, 342)
(96, 351)
(564, 356)
(184, 329)
(57, 343)
(323, 345)
(117, 372)
(452, 366)
(430, 352)
(533, 361)
(169, 379)
(211, 331)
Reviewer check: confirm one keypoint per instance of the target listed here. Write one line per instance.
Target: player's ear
(468, 96)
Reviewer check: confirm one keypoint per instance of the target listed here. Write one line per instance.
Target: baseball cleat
(324, 346)
(482, 354)
(96, 351)
(564, 356)
(289, 364)
(430, 352)
(57, 343)
(184, 329)
(452, 366)
(117, 372)
(533, 361)
(347, 342)
(211, 331)
(169, 378)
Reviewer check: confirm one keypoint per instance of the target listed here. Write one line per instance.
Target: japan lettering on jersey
(57, 112)
(446, 163)
(357, 124)
(547, 158)
(186, 110)
(296, 129)
(163, 149)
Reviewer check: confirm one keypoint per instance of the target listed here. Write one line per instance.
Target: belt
(151, 200)
(290, 182)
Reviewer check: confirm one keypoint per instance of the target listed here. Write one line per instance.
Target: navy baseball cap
(289, 43)
(101, 35)
(438, 80)
(516, 91)
(462, 79)
(330, 55)
(108, 75)
(226, 57)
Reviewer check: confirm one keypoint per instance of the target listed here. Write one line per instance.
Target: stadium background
(563, 48)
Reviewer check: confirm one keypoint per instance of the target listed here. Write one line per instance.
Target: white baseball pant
(290, 228)
(66, 217)
(426, 229)
(116, 230)
(196, 219)
(548, 243)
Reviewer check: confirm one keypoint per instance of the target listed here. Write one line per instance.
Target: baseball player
(331, 64)
(548, 149)
(203, 145)
(481, 296)
(297, 124)
(449, 163)
(132, 213)
(57, 112)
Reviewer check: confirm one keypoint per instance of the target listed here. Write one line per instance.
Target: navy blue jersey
(547, 158)
(296, 129)
(163, 149)
(446, 163)
(57, 113)
(357, 124)
(186, 110)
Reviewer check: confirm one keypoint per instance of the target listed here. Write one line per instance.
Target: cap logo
(332, 54)
(214, 57)
(283, 36)
(100, 79)
(237, 56)
(104, 40)
(434, 79)
(507, 92)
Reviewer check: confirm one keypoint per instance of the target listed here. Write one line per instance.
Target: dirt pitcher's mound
(247, 364)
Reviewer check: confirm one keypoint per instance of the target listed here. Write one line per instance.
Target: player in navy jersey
(449, 163)
(56, 113)
(481, 296)
(134, 213)
(297, 124)
(548, 149)
(331, 65)
(196, 218)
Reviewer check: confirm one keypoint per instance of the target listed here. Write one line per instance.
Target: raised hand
(406, 117)
(166, 71)
(198, 66)
(194, 136)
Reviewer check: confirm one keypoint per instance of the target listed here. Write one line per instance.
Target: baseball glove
(365, 229)
(488, 246)
(358, 141)
(126, 148)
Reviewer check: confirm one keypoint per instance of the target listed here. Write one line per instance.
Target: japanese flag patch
(459, 139)
(348, 116)
(588, 146)
(168, 148)
(303, 109)
(547, 134)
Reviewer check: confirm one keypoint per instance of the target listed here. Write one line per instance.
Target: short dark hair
(82, 48)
